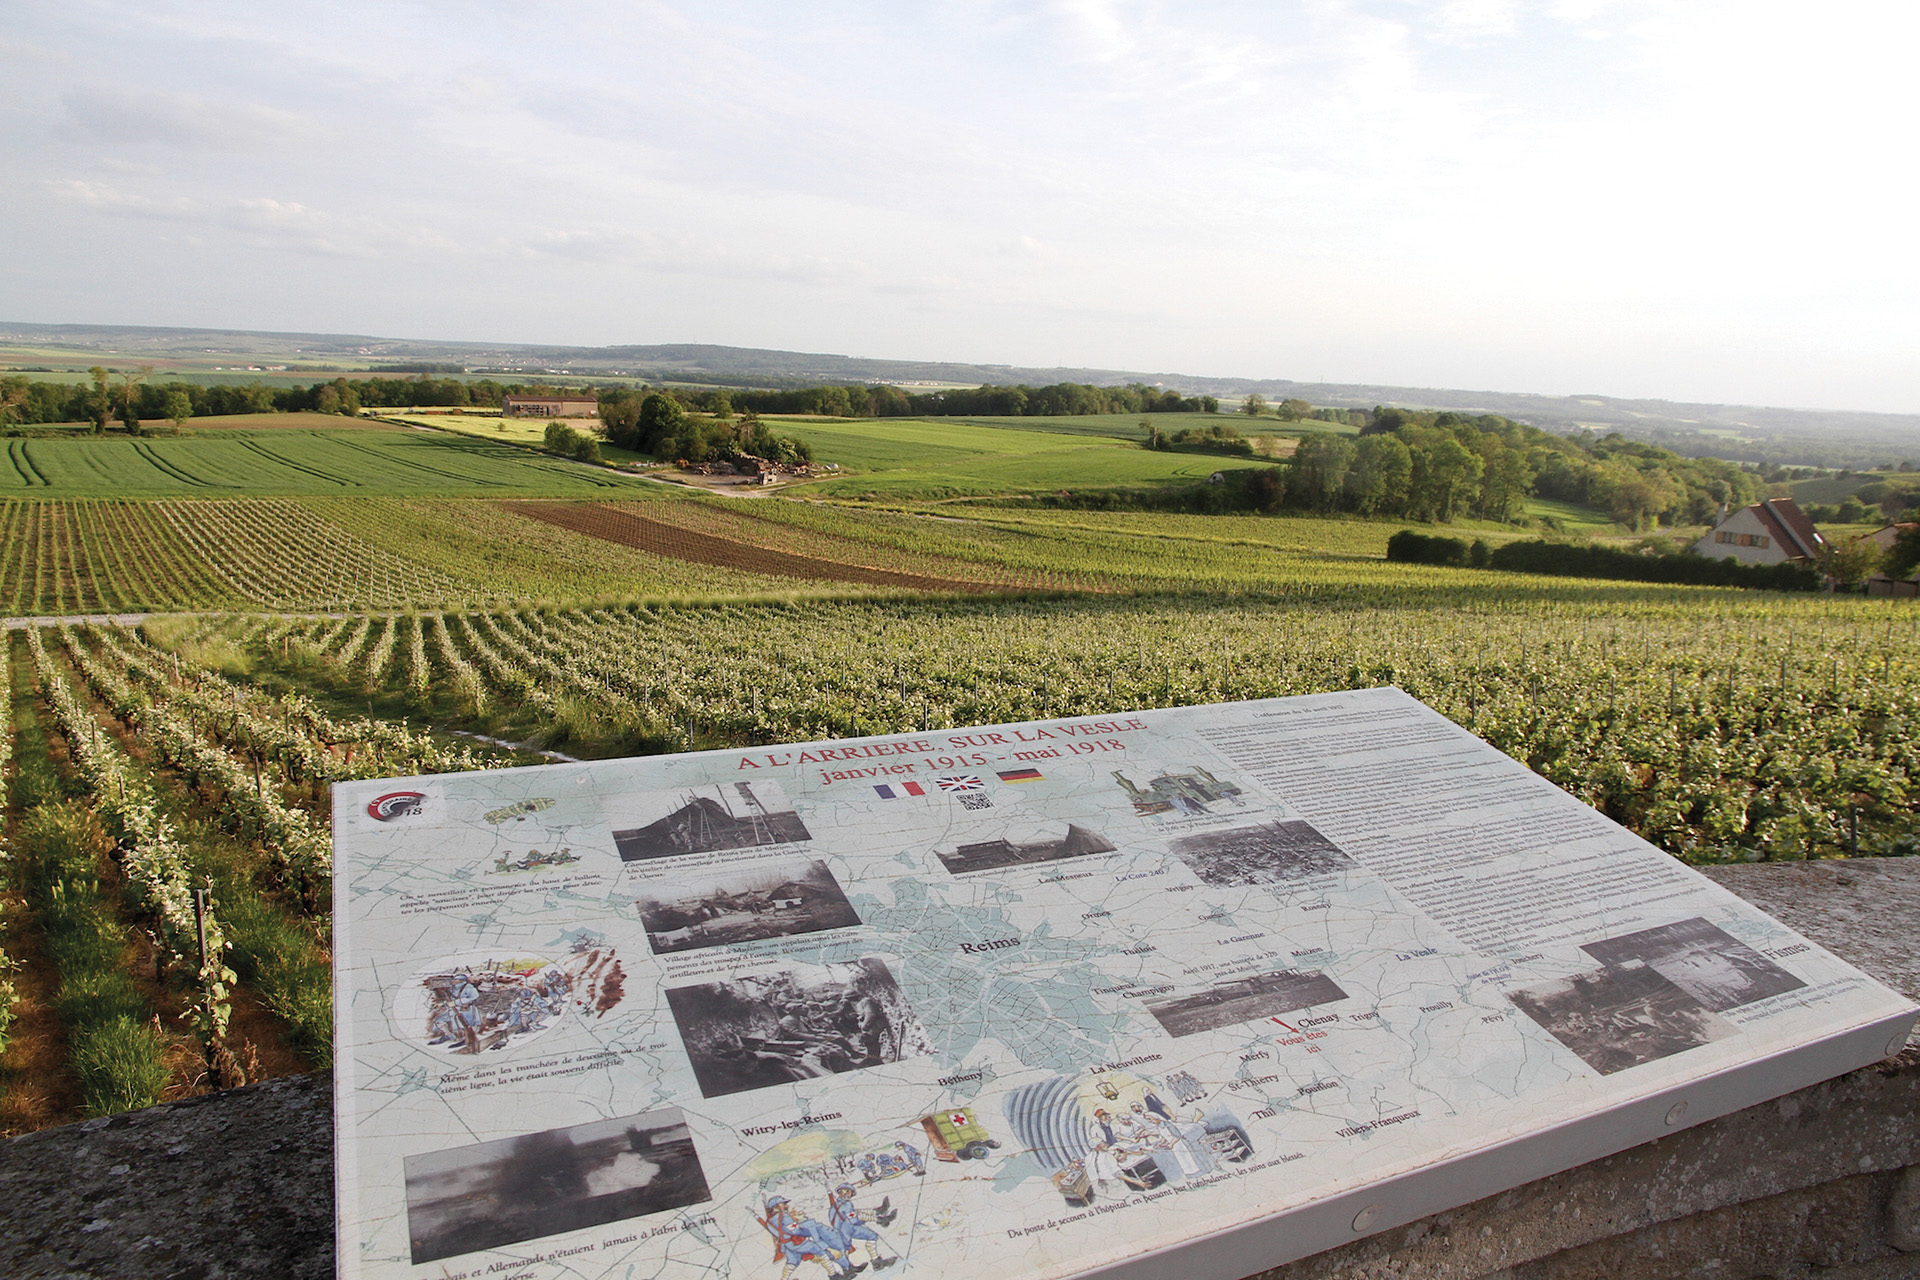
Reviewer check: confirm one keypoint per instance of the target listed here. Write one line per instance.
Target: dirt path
(679, 543)
(75, 620)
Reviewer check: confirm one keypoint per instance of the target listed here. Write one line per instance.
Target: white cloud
(103, 198)
(1469, 21)
(101, 113)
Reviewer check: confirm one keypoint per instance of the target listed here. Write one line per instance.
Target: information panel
(1023, 1001)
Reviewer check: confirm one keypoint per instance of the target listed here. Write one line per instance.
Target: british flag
(963, 783)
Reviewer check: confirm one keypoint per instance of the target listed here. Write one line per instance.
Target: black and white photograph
(1271, 853)
(991, 855)
(735, 815)
(1703, 960)
(1237, 1000)
(744, 905)
(543, 1184)
(1620, 1017)
(798, 1023)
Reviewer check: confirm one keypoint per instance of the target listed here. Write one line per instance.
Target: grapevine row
(1714, 725)
(8, 994)
(288, 732)
(299, 846)
(153, 857)
(283, 555)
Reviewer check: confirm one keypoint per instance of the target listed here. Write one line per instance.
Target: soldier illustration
(911, 1154)
(466, 1005)
(850, 1224)
(1103, 1162)
(442, 1020)
(528, 1014)
(1118, 1145)
(797, 1240)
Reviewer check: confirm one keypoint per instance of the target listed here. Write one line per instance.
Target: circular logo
(396, 804)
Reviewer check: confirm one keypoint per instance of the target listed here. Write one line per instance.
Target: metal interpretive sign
(1208, 988)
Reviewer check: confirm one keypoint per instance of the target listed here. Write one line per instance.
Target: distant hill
(1747, 433)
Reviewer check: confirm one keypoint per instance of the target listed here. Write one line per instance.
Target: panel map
(1021, 1000)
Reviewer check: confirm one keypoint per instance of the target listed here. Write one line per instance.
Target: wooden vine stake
(206, 994)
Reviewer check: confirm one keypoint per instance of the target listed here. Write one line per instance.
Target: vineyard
(165, 891)
(166, 922)
(213, 462)
(372, 554)
(1717, 728)
(383, 554)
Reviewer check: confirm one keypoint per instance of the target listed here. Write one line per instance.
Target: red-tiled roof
(1787, 522)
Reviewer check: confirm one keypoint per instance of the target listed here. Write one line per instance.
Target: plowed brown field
(664, 538)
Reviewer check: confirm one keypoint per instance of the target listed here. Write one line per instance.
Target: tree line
(1439, 467)
(130, 396)
(696, 428)
(1062, 400)
(114, 395)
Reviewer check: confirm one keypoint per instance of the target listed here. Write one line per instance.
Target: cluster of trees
(1894, 497)
(1408, 547)
(124, 396)
(1849, 511)
(1442, 466)
(663, 424)
(1294, 410)
(1903, 557)
(1212, 438)
(1063, 399)
(835, 402)
(119, 395)
(570, 442)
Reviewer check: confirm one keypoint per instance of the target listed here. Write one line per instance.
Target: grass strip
(117, 1051)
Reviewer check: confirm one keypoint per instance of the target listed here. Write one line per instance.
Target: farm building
(549, 407)
(1773, 531)
(1881, 584)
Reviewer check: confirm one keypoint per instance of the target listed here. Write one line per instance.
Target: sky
(1686, 199)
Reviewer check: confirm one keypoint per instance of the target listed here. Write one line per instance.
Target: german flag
(1019, 775)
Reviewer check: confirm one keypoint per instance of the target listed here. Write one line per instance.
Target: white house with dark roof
(1770, 532)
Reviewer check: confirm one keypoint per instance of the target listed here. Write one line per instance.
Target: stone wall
(1823, 1182)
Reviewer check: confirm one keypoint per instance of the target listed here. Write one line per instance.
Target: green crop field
(1128, 426)
(208, 463)
(908, 459)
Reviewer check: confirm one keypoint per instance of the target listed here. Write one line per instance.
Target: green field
(1567, 518)
(903, 459)
(211, 463)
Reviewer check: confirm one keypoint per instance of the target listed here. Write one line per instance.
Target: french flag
(895, 791)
